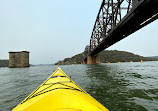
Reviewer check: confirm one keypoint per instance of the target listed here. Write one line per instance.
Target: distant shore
(108, 56)
(4, 63)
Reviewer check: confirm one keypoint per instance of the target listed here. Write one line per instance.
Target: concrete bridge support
(93, 59)
(84, 62)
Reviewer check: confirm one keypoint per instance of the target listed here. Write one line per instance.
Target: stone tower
(19, 59)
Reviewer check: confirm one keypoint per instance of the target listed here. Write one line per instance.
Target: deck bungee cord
(59, 92)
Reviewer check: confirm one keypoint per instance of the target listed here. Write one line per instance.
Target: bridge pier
(93, 59)
(84, 62)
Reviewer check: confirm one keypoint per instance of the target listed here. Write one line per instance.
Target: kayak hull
(59, 93)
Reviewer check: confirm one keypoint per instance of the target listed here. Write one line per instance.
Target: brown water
(119, 87)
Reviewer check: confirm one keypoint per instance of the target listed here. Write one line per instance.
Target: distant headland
(109, 56)
(4, 63)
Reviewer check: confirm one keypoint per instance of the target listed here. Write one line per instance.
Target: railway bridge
(116, 20)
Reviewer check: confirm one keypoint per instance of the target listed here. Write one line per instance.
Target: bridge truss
(110, 14)
(117, 19)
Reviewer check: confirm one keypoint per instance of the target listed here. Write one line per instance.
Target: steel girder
(110, 14)
(117, 19)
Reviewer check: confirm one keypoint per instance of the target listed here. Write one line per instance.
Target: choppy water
(119, 87)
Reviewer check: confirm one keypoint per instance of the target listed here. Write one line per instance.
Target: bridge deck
(144, 13)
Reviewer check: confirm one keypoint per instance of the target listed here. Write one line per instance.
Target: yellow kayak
(59, 93)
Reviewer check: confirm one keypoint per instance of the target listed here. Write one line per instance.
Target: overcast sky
(52, 30)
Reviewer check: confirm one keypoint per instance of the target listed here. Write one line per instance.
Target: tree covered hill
(122, 56)
(4, 63)
(154, 57)
(109, 56)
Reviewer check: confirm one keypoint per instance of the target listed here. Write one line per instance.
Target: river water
(119, 87)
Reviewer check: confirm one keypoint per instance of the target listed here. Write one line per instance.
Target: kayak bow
(59, 93)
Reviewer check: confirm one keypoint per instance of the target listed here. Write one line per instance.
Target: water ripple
(119, 87)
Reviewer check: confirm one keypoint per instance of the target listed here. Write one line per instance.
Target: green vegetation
(121, 56)
(112, 56)
(154, 57)
(73, 60)
(4, 63)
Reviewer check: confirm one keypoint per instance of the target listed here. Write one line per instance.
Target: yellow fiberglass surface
(59, 93)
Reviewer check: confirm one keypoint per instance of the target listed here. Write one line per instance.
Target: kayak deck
(59, 93)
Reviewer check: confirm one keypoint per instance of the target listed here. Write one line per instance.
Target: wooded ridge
(112, 56)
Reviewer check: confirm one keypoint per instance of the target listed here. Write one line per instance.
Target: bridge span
(116, 20)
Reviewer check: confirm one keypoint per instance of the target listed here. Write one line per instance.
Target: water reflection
(18, 83)
(14, 88)
(119, 87)
(108, 86)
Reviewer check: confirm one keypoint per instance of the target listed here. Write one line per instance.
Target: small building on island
(19, 59)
